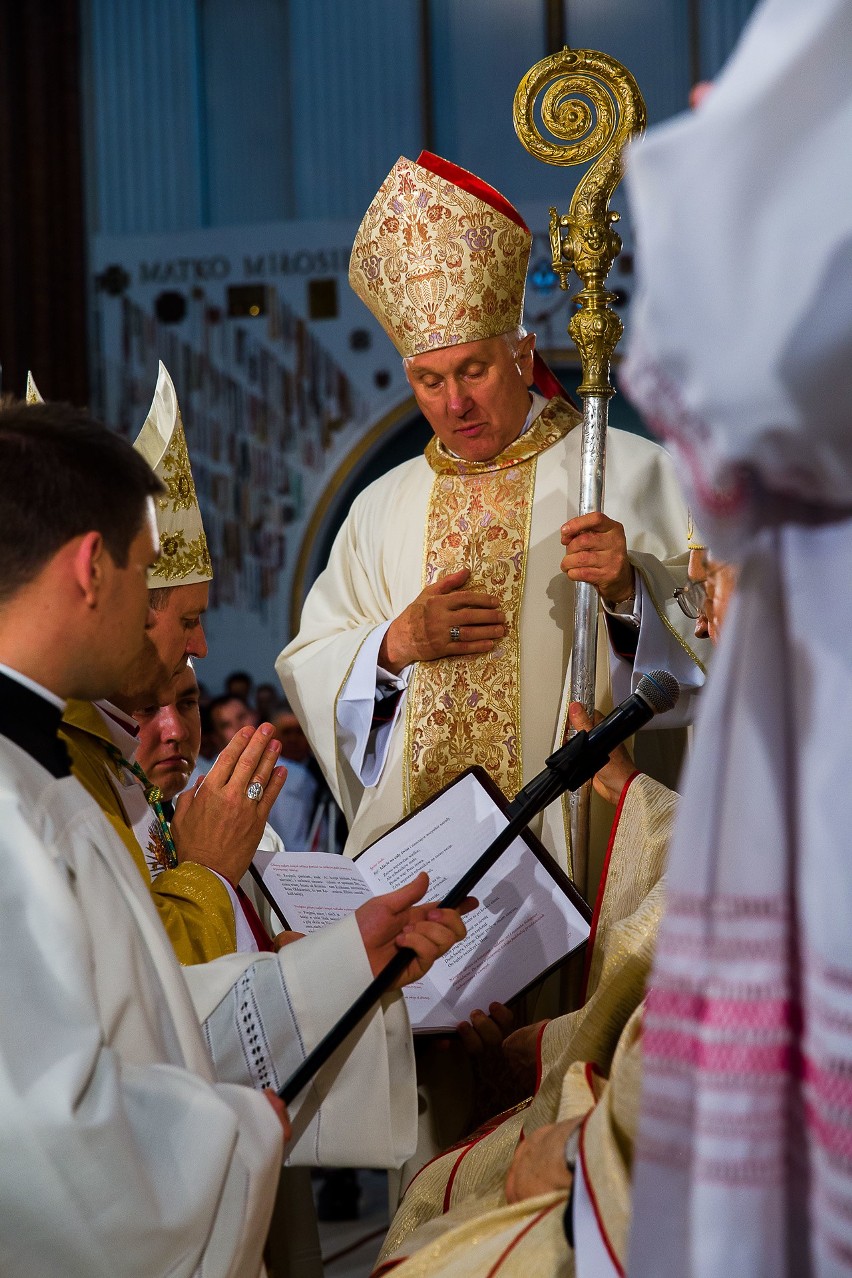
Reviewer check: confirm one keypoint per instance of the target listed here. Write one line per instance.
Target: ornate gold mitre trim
(467, 710)
(436, 264)
(184, 556)
(33, 395)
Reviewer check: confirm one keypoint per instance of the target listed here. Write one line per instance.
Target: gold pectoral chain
(153, 796)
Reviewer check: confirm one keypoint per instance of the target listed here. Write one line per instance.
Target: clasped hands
(215, 823)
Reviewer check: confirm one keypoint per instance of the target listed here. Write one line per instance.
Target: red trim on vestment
(526, 1229)
(484, 1129)
(387, 1266)
(538, 1061)
(428, 1163)
(258, 931)
(599, 898)
(456, 1165)
(593, 1200)
(472, 184)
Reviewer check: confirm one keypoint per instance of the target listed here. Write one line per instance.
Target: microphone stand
(566, 769)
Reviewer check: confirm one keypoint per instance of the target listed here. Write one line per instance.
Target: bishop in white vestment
(440, 259)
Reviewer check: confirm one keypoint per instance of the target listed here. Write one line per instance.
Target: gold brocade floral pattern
(437, 265)
(177, 473)
(184, 553)
(461, 711)
(179, 558)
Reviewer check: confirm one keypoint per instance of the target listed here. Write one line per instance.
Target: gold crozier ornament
(591, 106)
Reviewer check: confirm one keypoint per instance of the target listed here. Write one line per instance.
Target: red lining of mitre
(472, 184)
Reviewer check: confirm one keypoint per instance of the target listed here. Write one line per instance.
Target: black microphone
(587, 752)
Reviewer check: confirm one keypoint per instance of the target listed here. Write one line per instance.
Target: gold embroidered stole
(467, 710)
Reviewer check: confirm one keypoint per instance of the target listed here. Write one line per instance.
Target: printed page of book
(524, 925)
(315, 888)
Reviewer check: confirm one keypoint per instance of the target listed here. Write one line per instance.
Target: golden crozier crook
(591, 106)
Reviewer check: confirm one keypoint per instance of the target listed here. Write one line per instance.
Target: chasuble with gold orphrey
(502, 520)
(464, 712)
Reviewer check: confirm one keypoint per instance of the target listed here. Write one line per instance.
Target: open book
(529, 918)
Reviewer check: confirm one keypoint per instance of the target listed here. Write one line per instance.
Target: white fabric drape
(742, 358)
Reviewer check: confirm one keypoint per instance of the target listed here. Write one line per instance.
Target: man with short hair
(211, 843)
(440, 633)
(91, 1120)
(119, 1146)
(228, 714)
(238, 684)
(168, 745)
(167, 751)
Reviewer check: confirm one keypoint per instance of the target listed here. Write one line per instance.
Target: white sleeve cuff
(364, 747)
(657, 648)
(629, 610)
(591, 1254)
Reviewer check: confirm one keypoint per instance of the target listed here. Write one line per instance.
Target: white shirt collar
(125, 738)
(538, 404)
(38, 688)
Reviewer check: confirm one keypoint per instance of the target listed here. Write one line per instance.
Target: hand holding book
(527, 920)
(395, 921)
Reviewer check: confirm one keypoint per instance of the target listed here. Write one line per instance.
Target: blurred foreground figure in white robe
(742, 357)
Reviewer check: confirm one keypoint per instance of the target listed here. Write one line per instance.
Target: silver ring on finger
(455, 634)
(254, 791)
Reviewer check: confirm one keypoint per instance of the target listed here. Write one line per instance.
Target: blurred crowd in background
(305, 816)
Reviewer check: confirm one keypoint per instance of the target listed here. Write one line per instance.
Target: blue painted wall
(215, 113)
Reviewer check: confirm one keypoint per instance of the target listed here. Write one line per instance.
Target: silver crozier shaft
(595, 414)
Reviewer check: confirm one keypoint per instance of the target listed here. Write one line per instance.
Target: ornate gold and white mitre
(440, 257)
(33, 395)
(184, 556)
